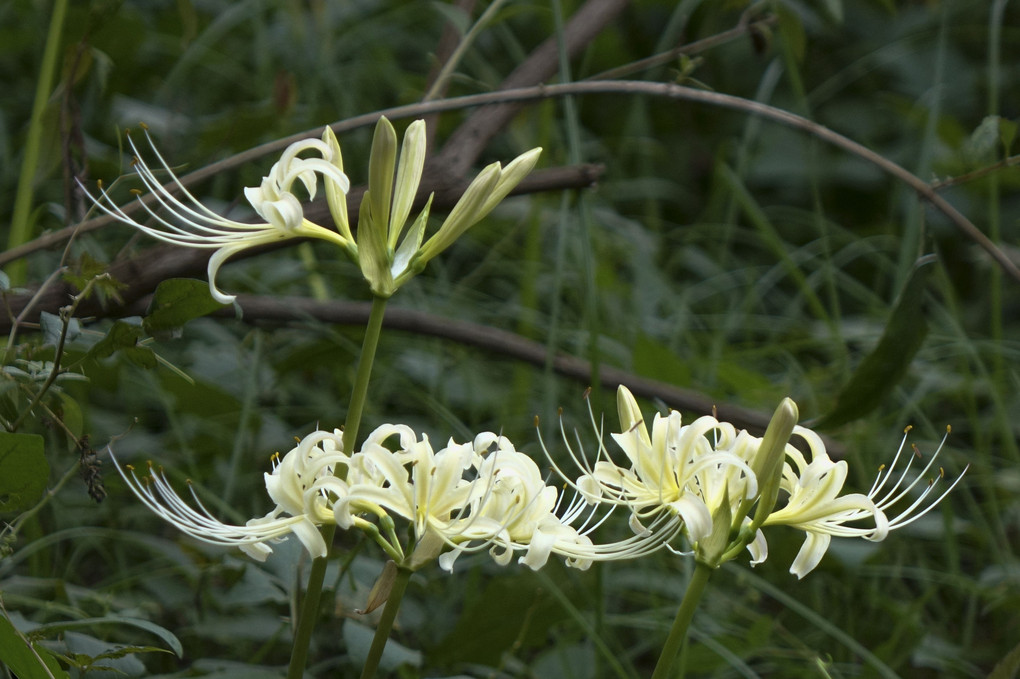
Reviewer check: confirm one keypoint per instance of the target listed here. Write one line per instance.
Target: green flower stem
(310, 606)
(21, 219)
(695, 588)
(389, 615)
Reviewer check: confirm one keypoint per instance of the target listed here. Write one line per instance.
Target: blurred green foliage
(718, 252)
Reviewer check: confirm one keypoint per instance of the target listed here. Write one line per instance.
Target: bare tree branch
(261, 309)
(258, 309)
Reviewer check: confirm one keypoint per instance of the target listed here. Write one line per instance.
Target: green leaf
(25, 660)
(177, 301)
(24, 470)
(121, 336)
(359, 638)
(885, 366)
(124, 337)
(143, 357)
(70, 414)
(1007, 133)
(1008, 667)
(52, 326)
(88, 623)
(792, 29)
(980, 148)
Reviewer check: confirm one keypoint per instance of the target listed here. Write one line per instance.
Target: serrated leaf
(885, 366)
(177, 301)
(24, 470)
(88, 623)
(26, 660)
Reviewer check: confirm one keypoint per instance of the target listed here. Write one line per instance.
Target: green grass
(718, 252)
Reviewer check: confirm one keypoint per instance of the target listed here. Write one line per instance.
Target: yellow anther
(587, 393)
(908, 428)
(881, 468)
(143, 126)
(942, 473)
(99, 183)
(949, 428)
(136, 192)
(536, 420)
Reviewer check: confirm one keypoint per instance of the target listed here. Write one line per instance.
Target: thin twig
(975, 174)
(664, 90)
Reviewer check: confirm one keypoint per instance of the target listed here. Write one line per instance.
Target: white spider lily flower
(156, 493)
(466, 497)
(191, 224)
(680, 469)
(815, 506)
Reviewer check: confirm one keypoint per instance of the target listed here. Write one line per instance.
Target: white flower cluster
(711, 476)
(465, 497)
(715, 486)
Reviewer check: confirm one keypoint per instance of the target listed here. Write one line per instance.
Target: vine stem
(389, 615)
(678, 633)
(313, 592)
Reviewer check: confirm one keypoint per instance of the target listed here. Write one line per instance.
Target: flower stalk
(313, 591)
(682, 622)
(389, 616)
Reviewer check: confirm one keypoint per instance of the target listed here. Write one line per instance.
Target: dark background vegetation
(717, 252)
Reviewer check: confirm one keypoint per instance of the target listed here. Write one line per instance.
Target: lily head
(678, 469)
(815, 506)
(156, 493)
(178, 218)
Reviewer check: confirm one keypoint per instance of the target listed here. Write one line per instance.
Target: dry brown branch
(142, 273)
(262, 309)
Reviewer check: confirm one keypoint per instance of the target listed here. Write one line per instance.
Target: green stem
(695, 588)
(461, 49)
(313, 592)
(20, 227)
(389, 614)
